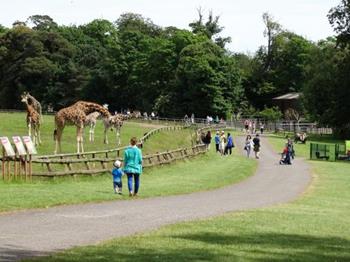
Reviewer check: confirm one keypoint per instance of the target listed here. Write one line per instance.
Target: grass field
(303, 150)
(313, 228)
(15, 124)
(168, 140)
(188, 176)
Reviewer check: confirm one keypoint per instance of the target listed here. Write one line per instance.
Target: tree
(339, 18)
(271, 31)
(208, 81)
(136, 22)
(41, 22)
(210, 28)
(327, 90)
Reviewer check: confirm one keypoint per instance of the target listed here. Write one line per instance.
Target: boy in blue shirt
(117, 177)
(217, 141)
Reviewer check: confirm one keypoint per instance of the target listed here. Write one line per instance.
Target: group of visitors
(223, 143)
(132, 165)
(251, 128)
(188, 120)
(287, 153)
(252, 144)
(132, 169)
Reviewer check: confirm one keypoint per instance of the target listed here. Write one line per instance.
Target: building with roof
(288, 103)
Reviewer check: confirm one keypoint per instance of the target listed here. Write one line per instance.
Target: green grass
(188, 176)
(191, 175)
(313, 228)
(169, 140)
(15, 124)
(302, 150)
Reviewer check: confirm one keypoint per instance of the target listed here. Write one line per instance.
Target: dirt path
(39, 232)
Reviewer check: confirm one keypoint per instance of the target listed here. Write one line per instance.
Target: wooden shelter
(289, 102)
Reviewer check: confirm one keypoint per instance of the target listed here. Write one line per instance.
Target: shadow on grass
(215, 247)
(13, 253)
(280, 247)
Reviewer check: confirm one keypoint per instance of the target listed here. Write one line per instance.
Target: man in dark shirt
(256, 142)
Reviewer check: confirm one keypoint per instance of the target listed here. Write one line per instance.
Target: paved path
(38, 232)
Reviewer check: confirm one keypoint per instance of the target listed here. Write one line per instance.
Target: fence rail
(88, 166)
(91, 163)
(107, 153)
(283, 125)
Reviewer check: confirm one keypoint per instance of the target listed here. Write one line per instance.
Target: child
(285, 158)
(117, 177)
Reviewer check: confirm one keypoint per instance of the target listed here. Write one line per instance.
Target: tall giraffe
(33, 121)
(75, 115)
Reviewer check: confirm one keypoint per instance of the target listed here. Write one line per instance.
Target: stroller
(286, 157)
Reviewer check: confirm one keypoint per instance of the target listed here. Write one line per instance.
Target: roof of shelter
(288, 96)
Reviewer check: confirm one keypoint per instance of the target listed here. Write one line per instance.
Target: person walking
(248, 145)
(217, 141)
(208, 139)
(222, 143)
(229, 144)
(261, 128)
(133, 166)
(117, 174)
(257, 145)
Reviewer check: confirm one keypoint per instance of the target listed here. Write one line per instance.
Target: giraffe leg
(82, 140)
(118, 136)
(58, 136)
(39, 135)
(90, 135)
(36, 136)
(80, 146)
(78, 141)
(105, 141)
(92, 132)
(29, 129)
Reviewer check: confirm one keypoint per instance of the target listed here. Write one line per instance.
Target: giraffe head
(24, 97)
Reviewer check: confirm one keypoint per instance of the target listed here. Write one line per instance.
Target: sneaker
(130, 194)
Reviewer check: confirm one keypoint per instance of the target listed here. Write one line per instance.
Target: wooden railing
(116, 152)
(87, 166)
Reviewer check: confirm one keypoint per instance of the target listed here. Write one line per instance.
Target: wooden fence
(116, 152)
(82, 163)
(91, 166)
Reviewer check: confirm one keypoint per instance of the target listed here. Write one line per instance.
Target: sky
(242, 19)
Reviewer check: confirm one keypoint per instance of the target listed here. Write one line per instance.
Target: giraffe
(91, 120)
(35, 103)
(75, 115)
(37, 107)
(33, 121)
(113, 122)
(116, 122)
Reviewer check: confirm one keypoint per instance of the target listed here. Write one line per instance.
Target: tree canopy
(134, 63)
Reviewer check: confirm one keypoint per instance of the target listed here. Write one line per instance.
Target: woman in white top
(248, 145)
(222, 143)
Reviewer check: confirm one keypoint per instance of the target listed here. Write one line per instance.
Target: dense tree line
(133, 63)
